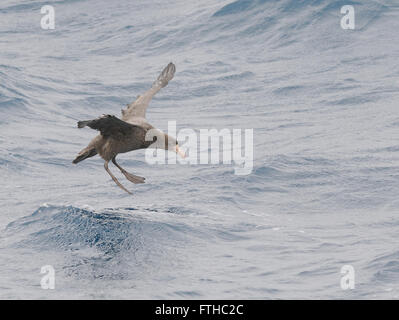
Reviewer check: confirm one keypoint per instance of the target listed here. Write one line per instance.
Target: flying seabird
(128, 133)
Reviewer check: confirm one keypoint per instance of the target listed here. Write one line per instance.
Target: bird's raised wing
(138, 107)
(109, 125)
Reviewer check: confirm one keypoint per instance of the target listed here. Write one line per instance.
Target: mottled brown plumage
(120, 136)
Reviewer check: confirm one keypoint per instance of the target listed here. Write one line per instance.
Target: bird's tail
(84, 154)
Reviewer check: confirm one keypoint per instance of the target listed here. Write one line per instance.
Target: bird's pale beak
(179, 152)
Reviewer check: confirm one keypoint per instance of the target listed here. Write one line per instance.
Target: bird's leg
(131, 177)
(114, 178)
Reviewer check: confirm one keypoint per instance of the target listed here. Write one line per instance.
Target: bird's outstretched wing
(138, 107)
(109, 125)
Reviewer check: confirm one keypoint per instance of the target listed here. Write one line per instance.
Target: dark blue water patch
(259, 27)
(385, 268)
(179, 210)
(24, 7)
(266, 171)
(229, 236)
(188, 294)
(247, 227)
(11, 87)
(235, 7)
(208, 90)
(108, 244)
(4, 69)
(294, 125)
(61, 228)
(12, 103)
(128, 27)
(236, 77)
(390, 149)
(299, 160)
(290, 90)
(319, 271)
(283, 167)
(14, 162)
(335, 6)
(285, 7)
(354, 101)
(35, 5)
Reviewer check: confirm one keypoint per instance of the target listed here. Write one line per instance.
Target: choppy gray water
(323, 103)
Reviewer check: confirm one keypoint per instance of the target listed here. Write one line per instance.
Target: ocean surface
(323, 192)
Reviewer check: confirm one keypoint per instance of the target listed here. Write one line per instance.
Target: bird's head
(172, 145)
(155, 138)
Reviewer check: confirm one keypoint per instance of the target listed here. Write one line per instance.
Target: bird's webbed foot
(133, 178)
